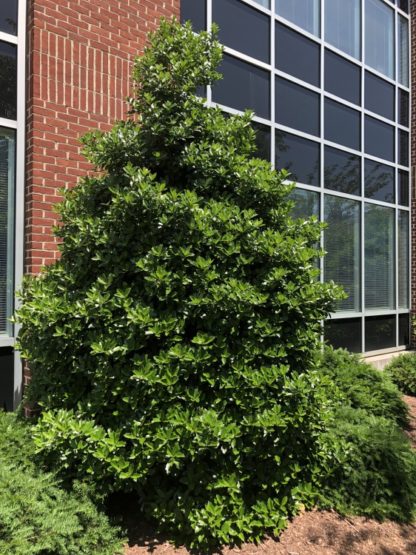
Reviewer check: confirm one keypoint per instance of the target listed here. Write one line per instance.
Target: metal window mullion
(209, 29)
(322, 135)
(362, 206)
(272, 83)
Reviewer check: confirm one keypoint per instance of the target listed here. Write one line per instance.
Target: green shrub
(171, 344)
(362, 386)
(375, 469)
(37, 516)
(402, 371)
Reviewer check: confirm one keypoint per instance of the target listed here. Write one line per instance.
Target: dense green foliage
(375, 469)
(37, 516)
(171, 345)
(402, 371)
(362, 386)
(373, 472)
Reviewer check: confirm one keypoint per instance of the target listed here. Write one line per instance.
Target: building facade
(329, 84)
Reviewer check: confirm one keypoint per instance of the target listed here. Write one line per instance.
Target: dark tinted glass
(403, 188)
(243, 86)
(380, 332)
(8, 80)
(404, 330)
(297, 107)
(403, 148)
(342, 78)
(306, 203)
(403, 108)
(243, 28)
(300, 156)
(344, 334)
(297, 55)
(403, 5)
(6, 379)
(342, 171)
(379, 139)
(8, 16)
(196, 12)
(263, 141)
(342, 124)
(379, 181)
(379, 96)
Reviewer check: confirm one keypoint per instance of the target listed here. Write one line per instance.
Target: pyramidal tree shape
(172, 344)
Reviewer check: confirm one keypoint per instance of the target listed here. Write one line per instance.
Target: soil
(310, 533)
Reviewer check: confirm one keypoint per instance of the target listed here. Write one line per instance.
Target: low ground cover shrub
(38, 516)
(402, 371)
(171, 345)
(362, 386)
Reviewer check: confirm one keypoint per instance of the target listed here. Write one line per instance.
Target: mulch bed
(311, 533)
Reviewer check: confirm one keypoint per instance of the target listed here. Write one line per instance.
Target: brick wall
(413, 162)
(79, 61)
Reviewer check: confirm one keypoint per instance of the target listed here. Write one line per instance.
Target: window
(380, 332)
(297, 107)
(403, 188)
(7, 163)
(196, 12)
(403, 258)
(379, 96)
(297, 55)
(403, 108)
(306, 203)
(304, 13)
(379, 33)
(342, 78)
(8, 17)
(404, 329)
(243, 86)
(8, 80)
(379, 139)
(342, 243)
(344, 334)
(379, 181)
(342, 171)
(403, 148)
(403, 46)
(342, 125)
(299, 156)
(403, 5)
(263, 141)
(379, 257)
(342, 25)
(243, 28)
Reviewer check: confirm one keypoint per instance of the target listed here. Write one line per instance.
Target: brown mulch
(312, 533)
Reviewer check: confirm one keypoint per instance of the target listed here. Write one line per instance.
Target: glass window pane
(380, 332)
(8, 80)
(299, 156)
(403, 46)
(297, 107)
(196, 12)
(297, 55)
(7, 162)
(342, 171)
(306, 203)
(379, 257)
(403, 108)
(304, 13)
(342, 124)
(342, 25)
(7, 393)
(263, 141)
(404, 5)
(403, 258)
(243, 28)
(403, 148)
(8, 17)
(243, 86)
(379, 139)
(342, 78)
(379, 33)
(344, 334)
(404, 330)
(403, 188)
(379, 181)
(342, 244)
(379, 96)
